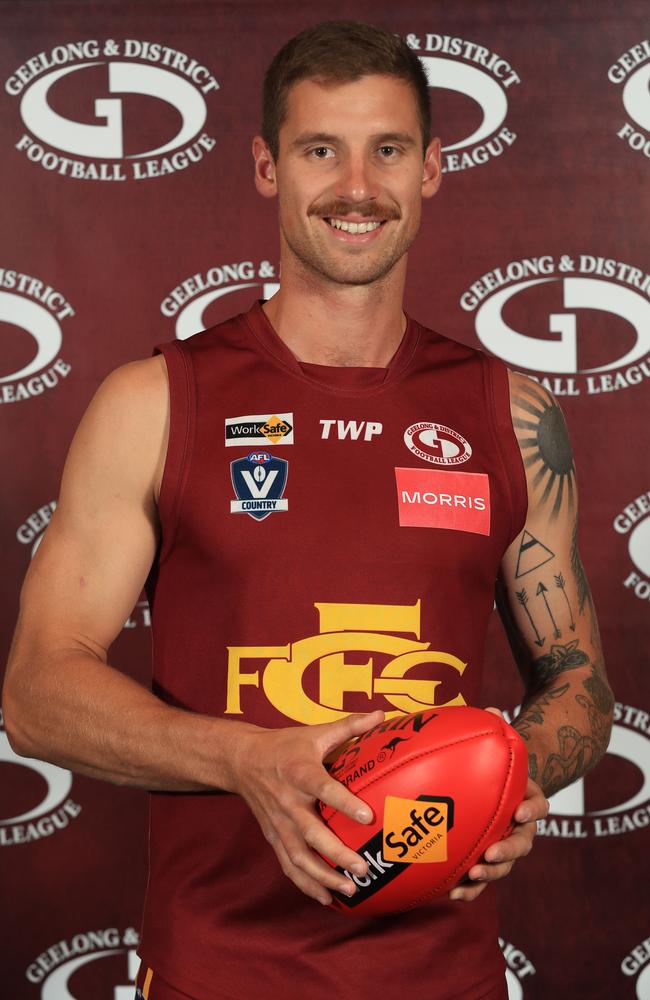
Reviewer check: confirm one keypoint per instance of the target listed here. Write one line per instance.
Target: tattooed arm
(546, 607)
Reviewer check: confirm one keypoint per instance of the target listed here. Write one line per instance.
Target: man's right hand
(280, 775)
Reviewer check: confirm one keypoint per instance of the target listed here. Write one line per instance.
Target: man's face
(350, 176)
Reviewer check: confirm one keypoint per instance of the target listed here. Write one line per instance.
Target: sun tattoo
(546, 447)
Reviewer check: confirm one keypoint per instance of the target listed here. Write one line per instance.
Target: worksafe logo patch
(431, 498)
(259, 481)
(45, 806)
(483, 79)
(113, 110)
(259, 429)
(31, 314)
(634, 523)
(631, 72)
(415, 830)
(204, 299)
(437, 443)
(66, 970)
(581, 322)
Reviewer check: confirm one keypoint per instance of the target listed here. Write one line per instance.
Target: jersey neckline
(351, 381)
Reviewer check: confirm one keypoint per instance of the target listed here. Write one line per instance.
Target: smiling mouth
(355, 227)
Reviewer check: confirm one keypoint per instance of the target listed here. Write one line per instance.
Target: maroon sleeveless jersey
(330, 543)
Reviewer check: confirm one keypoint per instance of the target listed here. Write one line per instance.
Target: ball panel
(445, 789)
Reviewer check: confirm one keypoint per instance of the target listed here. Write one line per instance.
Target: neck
(325, 323)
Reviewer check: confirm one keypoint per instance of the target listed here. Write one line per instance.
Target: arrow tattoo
(560, 583)
(522, 597)
(541, 589)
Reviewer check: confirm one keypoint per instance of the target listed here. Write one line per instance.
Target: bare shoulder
(545, 445)
(137, 383)
(523, 387)
(123, 433)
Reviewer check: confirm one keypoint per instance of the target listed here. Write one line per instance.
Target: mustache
(367, 209)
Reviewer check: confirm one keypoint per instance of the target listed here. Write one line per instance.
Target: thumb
(333, 734)
(495, 711)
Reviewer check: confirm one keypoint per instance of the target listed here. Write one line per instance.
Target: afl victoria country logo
(473, 71)
(631, 72)
(62, 971)
(31, 313)
(50, 808)
(582, 322)
(615, 799)
(189, 304)
(633, 522)
(73, 101)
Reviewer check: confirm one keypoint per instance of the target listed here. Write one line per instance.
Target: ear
(265, 171)
(431, 171)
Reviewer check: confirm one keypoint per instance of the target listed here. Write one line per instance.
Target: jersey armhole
(498, 394)
(182, 408)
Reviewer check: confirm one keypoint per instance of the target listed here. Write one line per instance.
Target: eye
(320, 152)
(388, 152)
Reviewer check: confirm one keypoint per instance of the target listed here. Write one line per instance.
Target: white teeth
(354, 227)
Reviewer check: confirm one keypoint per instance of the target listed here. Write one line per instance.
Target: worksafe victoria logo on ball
(474, 86)
(577, 323)
(113, 110)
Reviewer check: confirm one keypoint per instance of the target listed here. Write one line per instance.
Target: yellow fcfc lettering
(344, 628)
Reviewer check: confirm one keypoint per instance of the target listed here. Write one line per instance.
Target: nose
(356, 181)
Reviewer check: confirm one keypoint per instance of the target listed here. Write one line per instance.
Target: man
(307, 490)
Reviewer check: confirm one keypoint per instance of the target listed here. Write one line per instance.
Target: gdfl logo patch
(258, 481)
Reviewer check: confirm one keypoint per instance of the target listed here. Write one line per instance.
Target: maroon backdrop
(130, 217)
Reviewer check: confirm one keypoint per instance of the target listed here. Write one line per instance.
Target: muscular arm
(546, 607)
(62, 701)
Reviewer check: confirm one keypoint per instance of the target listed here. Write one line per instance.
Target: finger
(334, 794)
(490, 873)
(304, 882)
(468, 892)
(318, 836)
(531, 809)
(517, 845)
(332, 734)
(534, 806)
(302, 857)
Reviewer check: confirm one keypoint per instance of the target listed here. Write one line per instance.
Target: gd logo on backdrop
(54, 87)
(477, 73)
(517, 308)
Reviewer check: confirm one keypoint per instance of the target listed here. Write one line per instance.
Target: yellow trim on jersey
(147, 984)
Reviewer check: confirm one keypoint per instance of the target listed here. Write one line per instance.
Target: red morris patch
(432, 498)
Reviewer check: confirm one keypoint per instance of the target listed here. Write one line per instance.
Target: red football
(443, 785)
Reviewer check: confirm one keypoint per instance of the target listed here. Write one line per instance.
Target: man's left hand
(500, 857)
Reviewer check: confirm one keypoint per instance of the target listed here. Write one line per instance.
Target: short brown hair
(339, 51)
